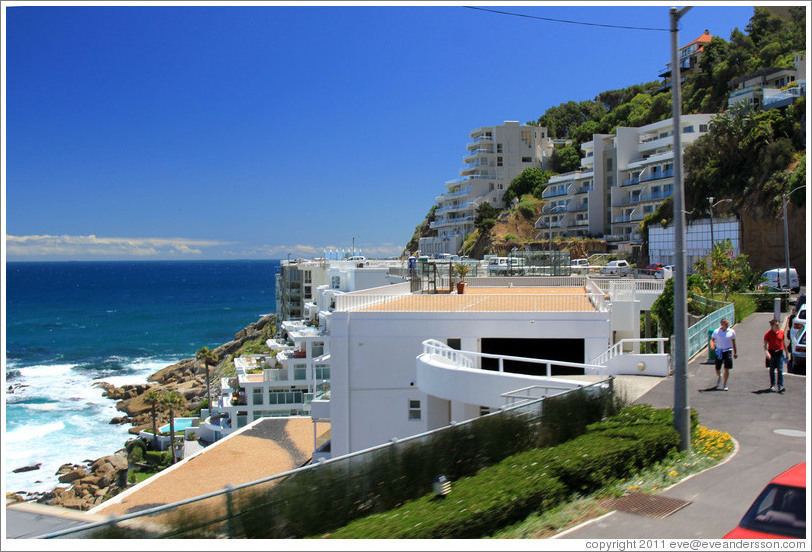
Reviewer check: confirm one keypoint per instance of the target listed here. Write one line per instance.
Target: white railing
(596, 295)
(445, 353)
(630, 345)
(462, 359)
(527, 281)
(558, 302)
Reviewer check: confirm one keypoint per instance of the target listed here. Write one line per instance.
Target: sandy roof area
(264, 448)
(489, 299)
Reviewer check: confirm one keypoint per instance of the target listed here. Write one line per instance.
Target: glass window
(335, 282)
(688, 129)
(414, 410)
(322, 372)
(526, 159)
(703, 128)
(258, 396)
(299, 372)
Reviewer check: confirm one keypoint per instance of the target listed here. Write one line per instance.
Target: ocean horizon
(70, 324)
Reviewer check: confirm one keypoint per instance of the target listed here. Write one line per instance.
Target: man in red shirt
(774, 351)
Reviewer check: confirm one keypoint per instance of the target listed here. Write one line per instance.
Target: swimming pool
(180, 424)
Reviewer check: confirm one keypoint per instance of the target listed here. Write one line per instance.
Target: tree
(208, 357)
(566, 159)
(724, 268)
(173, 401)
(531, 180)
(485, 217)
(153, 399)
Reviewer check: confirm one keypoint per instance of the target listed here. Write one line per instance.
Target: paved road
(752, 415)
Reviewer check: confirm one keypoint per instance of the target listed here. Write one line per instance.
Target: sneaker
(725, 388)
(773, 389)
(781, 389)
(718, 381)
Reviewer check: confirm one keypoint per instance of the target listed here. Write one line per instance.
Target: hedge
(530, 481)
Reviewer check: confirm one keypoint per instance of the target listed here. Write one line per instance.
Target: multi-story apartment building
(623, 177)
(689, 56)
(495, 156)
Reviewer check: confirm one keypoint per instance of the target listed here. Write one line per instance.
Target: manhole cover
(790, 432)
(646, 505)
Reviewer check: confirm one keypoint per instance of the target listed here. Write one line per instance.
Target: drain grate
(646, 505)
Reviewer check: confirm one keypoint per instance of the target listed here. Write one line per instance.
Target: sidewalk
(752, 415)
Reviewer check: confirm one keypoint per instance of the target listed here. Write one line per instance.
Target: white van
(579, 265)
(617, 267)
(777, 278)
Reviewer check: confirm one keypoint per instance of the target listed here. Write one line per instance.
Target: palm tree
(153, 399)
(208, 357)
(173, 401)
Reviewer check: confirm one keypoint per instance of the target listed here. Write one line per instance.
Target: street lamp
(712, 205)
(786, 235)
(353, 245)
(682, 410)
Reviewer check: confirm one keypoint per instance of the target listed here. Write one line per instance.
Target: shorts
(725, 357)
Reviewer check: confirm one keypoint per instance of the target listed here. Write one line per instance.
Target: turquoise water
(180, 425)
(71, 324)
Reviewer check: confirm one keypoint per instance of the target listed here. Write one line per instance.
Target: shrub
(743, 305)
(530, 481)
(158, 458)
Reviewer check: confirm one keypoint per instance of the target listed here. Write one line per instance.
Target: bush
(743, 306)
(158, 458)
(527, 208)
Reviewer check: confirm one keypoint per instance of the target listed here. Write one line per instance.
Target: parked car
(616, 267)
(798, 322)
(655, 267)
(777, 278)
(779, 512)
(579, 265)
(797, 363)
(666, 272)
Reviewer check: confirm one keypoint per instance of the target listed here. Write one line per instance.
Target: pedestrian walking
(774, 351)
(723, 341)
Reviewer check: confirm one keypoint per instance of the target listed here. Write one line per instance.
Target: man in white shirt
(723, 341)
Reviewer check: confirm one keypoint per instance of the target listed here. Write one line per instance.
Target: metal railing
(698, 333)
(630, 345)
(318, 497)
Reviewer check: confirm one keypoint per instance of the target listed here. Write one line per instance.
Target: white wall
(373, 363)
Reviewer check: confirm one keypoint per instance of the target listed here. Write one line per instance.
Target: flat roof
(487, 299)
(262, 449)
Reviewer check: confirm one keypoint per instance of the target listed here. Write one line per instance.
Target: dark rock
(27, 468)
(72, 476)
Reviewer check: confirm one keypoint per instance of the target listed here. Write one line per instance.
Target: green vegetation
(250, 347)
(530, 481)
(531, 181)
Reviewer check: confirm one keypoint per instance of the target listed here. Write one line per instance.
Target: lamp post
(353, 245)
(682, 410)
(786, 236)
(712, 205)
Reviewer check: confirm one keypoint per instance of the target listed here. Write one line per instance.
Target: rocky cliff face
(763, 238)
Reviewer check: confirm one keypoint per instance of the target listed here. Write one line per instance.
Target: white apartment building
(495, 156)
(287, 382)
(403, 363)
(623, 177)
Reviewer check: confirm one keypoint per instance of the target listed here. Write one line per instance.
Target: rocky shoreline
(94, 481)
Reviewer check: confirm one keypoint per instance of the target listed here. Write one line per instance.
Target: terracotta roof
(704, 38)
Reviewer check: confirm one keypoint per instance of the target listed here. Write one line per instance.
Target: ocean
(70, 324)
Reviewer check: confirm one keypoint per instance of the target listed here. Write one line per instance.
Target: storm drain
(643, 504)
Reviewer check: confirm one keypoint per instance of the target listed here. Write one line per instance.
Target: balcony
(631, 181)
(478, 142)
(578, 208)
(553, 193)
(461, 206)
(470, 178)
(657, 175)
(584, 190)
(578, 223)
(476, 153)
(451, 222)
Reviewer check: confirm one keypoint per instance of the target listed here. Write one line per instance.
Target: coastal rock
(65, 468)
(32, 467)
(72, 476)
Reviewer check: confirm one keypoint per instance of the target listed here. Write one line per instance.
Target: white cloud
(92, 246)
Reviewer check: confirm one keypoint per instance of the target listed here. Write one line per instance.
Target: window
(498, 148)
(322, 372)
(299, 372)
(335, 282)
(278, 396)
(703, 128)
(526, 159)
(688, 129)
(317, 349)
(414, 410)
(307, 277)
(484, 410)
(308, 292)
(258, 396)
(498, 161)
(609, 164)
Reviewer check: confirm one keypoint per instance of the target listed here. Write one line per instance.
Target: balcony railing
(553, 193)
(471, 177)
(578, 208)
(657, 175)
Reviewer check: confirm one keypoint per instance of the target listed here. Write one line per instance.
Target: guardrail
(621, 347)
(697, 335)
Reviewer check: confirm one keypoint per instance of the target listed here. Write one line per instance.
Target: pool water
(180, 424)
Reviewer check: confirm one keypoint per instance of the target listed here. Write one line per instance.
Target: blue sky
(224, 132)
